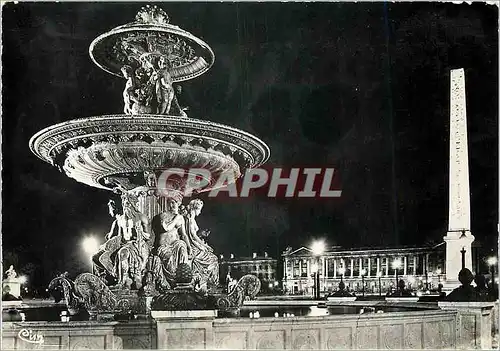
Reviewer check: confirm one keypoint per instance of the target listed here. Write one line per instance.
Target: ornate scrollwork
(132, 46)
(181, 301)
(62, 288)
(247, 288)
(94, 293)
(124, 45)
(152, 14)
(89, 292)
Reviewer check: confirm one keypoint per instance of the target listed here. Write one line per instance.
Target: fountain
(153, 155)
(155, 261)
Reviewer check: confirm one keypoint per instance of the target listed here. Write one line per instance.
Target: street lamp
(438, 273)
(90, 245)
(341, 271)
(396, 265)
(492, 262)
(411, 282)
(317, 248)
(363, 272)
(314, 269)
(426, 273)
(22, 279)
(379, 275)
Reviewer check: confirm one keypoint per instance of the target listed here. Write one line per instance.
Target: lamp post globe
(379, 275)
(396, 265)
(492, 262)
(317, 249)
(341, 271)
(90, 246)
(363, 272)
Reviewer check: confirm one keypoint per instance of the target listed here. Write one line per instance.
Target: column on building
(387, 266)
(352, 267)
(414, 264)
(405, 266)
(300, 268)
(335, 268)
(325, 267)
(378, 265)
(369, 269)
(426, 266)
(285, 269)
(360, 266)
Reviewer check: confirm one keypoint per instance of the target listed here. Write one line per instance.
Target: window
(303, 273)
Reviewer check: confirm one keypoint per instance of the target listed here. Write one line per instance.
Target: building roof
(247, 259)
(337, 250)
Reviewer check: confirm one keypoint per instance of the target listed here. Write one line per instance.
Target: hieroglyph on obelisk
(459, 237)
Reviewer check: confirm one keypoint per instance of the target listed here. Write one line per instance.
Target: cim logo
(274, 182)
(30, 336)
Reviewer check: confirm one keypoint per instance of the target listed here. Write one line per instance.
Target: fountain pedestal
(475, 319)
(14, 285)
(180, 330)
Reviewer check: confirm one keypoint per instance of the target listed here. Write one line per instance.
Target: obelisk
(459, 237)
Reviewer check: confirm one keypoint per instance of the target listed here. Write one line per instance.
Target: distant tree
(10, 257)
(28, 269)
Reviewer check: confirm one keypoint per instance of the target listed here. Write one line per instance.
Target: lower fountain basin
(103, 150)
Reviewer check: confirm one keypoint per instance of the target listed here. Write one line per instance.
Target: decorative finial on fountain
(152, 15)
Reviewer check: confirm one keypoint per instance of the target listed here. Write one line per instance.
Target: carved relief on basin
(93, 149)
(152, 34)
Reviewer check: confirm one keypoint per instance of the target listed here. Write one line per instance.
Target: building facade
(420, 268)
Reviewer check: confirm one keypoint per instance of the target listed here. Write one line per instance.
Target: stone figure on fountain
(129, 91)
(164, 88)
(104, 259)
(150, 178)
(132, 257)
(150, 89)
(205, 264)
(173, 246)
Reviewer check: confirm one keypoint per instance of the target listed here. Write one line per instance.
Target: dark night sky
(360, 87)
